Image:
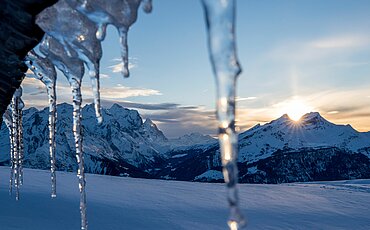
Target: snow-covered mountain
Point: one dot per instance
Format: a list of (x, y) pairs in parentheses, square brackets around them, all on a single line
[(122, 145), (192, 139), (282, 151)]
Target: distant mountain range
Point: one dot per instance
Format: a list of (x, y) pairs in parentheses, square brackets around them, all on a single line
[(123, 145)]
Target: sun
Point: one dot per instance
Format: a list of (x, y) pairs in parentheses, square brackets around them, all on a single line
[(296, 109)]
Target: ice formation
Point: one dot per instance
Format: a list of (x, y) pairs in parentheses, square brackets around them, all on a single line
[(44, 71), (74, 37), (17, 131), (77, 34), (220, 21), (9, 124), (74, 31), (73, 69), (120, 13)]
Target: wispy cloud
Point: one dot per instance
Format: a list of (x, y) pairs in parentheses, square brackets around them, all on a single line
[(318, 49), (341, 42), (116, 68), (238, 99), (120, 92), (35, 93), (104, 76)]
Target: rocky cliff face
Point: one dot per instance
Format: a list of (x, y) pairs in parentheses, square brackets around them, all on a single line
[(18, 35)]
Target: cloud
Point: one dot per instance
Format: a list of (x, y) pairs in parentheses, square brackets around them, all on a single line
[(340, 42), (180, 121), (172, 118), (33, 86), (117, 68), (104, 76), (35, 93), (120, 92), (314, 50), (238, 99), (142, 106)]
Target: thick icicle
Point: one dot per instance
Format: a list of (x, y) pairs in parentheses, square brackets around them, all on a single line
[(16, 104), (77, 34), (73, 69), (220, 20), (44, 71), (9, 124), (120, 13)]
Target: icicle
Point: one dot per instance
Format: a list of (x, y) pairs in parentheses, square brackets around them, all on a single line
[(220, 19), (77, 100), (16, 138), (120, 13), (20, 136), (73, 69), (147, 6), (44, 71), (9, 124), (77, 34)]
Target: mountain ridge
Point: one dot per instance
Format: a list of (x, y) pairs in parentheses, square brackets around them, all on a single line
[(125, 145)]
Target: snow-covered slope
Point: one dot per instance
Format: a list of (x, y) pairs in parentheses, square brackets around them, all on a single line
[(142, 204)]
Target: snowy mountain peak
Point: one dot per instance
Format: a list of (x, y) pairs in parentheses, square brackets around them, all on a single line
[(284, 119), (192, 139), (313, 117), (152, 132), (149, 123)]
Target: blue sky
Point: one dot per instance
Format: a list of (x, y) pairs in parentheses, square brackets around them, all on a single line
[(314, 55)]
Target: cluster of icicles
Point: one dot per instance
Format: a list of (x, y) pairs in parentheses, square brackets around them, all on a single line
[(13, 120), (73, 34)]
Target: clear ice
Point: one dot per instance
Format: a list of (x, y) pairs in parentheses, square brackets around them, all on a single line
[(17, 131), (74, 36), (77, 34), (72, 67), (9, 124), (44, 71), (220, 22), (119, 13)]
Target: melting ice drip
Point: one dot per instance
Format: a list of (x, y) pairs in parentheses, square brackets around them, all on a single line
[(220, 21), (16, 135), (44, 71)]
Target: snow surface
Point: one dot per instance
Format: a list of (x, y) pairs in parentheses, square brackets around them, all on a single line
[(210, 175), (128, 203)]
